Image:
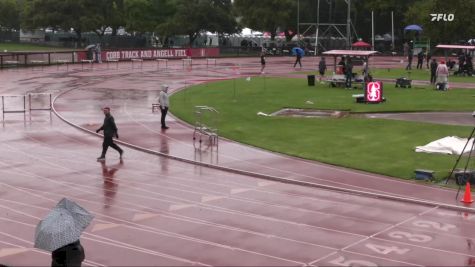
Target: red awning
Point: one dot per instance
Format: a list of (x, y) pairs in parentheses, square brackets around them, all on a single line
[(349, 53), (469, 47), (361, 44)]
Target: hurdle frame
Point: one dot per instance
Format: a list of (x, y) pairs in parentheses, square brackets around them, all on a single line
[(50, 102), (210, 59), (158, 60), (183, 60), (13, 111)]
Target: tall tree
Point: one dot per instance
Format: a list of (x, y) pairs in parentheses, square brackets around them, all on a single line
[(59, 14), (105, 14), (192, 17), (268, 15), (9, 15), (382, 16), (461, 28)]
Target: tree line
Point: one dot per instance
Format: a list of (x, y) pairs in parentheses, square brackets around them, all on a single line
[(191, 17)]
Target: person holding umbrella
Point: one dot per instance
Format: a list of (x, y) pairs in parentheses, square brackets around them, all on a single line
[(69, 255), (298, 53), (110, 130), (410, 54), (59, 232)]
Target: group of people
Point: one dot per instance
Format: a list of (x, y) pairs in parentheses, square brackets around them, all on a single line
[(345, 66), (465, 65)]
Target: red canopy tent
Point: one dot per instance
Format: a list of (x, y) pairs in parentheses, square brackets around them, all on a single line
[(361, 44)]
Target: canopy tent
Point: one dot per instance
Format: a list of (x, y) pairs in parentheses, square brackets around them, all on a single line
[(448, 47), (413, 27), (360, 44), (468, 47), (360, 53)]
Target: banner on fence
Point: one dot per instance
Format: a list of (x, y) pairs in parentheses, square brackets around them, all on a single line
[(172, 53)]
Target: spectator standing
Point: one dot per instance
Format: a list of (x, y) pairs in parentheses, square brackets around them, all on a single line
[(348, 73), (322, 67), (442, 73), (420, 60), (433, 69), (164, 103)]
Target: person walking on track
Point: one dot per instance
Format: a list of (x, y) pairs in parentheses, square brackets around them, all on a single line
[(110, 130), (263, 62), (164, 105), (298, 59)]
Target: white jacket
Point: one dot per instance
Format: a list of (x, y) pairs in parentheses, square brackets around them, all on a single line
[(163, 99)]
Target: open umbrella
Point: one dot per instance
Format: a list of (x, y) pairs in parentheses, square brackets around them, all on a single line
[(90, 46), (81, 216), (298, 51), (62, 226), (361, 44), (413, 27)]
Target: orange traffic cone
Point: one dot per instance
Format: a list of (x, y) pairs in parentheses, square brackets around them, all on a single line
[(467, 197)]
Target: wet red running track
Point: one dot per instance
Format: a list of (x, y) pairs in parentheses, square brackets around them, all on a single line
[(151, 210)]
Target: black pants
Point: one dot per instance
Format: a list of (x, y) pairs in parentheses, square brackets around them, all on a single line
[(419, 64), (348, 80), (298, 61), (409, 64), (109, 142), (432, 78), (164, 111)]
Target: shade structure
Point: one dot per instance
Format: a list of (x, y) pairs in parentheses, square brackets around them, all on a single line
[(469, 47), (361, 44), (413, 27), (349, 53), (337, 53)]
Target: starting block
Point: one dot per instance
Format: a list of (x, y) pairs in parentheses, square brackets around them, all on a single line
[(424, 175)]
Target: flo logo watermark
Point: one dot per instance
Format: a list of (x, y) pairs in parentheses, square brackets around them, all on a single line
[(442, 17)]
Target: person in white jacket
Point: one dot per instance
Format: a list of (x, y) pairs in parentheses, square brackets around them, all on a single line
[(164, 104), (442, 74)]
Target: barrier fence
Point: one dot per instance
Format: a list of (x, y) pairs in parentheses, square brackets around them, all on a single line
[(32, 59)]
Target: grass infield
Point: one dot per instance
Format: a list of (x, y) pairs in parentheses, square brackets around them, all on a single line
[(20, 47), (374, 145), (394, 73)]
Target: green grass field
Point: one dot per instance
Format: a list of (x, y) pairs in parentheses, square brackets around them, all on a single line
[(19, 47), (375, 145), (415, 74)]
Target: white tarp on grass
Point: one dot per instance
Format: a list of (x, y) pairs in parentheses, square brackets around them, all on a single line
[(448, 145)]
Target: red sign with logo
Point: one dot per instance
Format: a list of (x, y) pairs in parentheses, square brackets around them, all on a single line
[(374, 92), (172, 53)]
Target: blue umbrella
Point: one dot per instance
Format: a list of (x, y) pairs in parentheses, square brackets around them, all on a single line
[(298, 51), (413, 27)]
